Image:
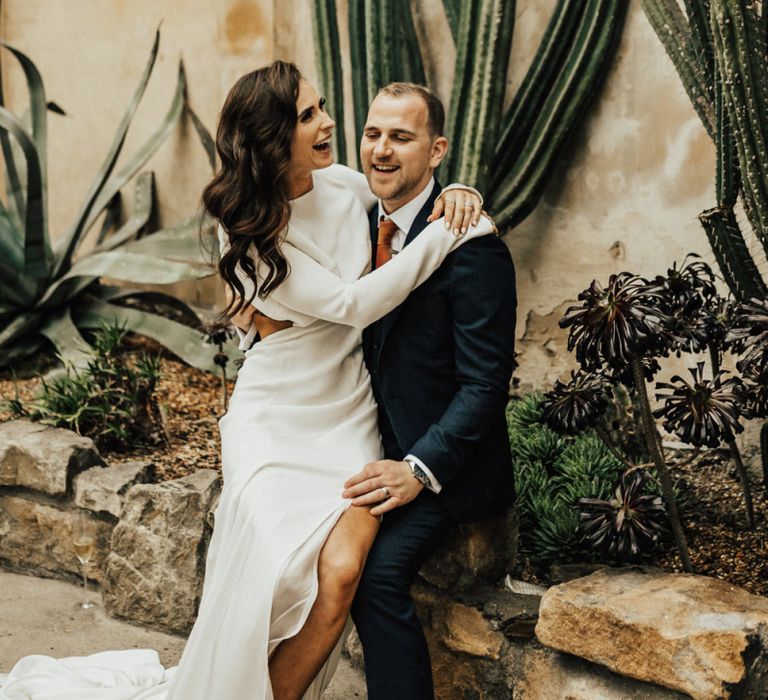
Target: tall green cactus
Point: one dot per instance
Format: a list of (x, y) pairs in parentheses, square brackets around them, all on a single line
[(719, 50), (507, 154)]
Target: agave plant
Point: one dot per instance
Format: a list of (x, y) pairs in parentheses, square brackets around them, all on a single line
[(49, 288), (509, 154), (629, 523)]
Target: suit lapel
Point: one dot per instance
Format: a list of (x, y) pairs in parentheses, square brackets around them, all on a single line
[(419, 224)]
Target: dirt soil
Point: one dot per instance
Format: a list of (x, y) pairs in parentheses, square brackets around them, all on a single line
[(720, 543)]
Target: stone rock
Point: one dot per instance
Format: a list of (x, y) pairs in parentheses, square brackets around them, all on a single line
[(37, 538), (353, 649), (693, 634), (515, 614), (102, 490), (43, 458), (480, 552), (155, 570), (466, 630), (545, 674), (561, 573)]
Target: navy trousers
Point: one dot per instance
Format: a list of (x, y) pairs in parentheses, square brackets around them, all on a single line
[(397, 663)]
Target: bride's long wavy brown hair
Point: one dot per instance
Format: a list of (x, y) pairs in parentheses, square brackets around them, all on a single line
[(249, 195)]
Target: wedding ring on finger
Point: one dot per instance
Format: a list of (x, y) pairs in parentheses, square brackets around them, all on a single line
[(386, 493)]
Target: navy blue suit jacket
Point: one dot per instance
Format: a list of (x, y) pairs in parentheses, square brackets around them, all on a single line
[(440, 367)]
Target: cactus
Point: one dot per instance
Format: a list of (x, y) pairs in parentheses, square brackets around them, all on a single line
[(718, 48), (507, 154)]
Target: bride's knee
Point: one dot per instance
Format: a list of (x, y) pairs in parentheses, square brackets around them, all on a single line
[(339, 573)]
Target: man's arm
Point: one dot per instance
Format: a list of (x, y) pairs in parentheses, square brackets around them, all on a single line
[(484, 303)]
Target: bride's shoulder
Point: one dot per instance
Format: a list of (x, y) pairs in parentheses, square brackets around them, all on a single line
[(348, 179)]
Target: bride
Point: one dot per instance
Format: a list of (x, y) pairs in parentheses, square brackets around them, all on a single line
[(287, 549)]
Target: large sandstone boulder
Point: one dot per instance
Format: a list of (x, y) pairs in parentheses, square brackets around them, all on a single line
[(694, 634), (475, 553), (155, 569), (37, 538), (544, 674), (43, 458), (103, 489)]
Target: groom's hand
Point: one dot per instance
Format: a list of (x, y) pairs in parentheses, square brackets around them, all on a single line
[(386, 484)]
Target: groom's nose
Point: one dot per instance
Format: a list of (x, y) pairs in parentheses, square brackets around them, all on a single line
[(382, 147)]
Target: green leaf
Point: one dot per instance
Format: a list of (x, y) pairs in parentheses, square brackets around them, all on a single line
[(143, 202), (39, 109), (13, 179), (204, 135), (69, 242), (71, 347), (111, 217), (26, 322), (36, 251), (144, 153), (182, 242), (184, 342), (136, 267)]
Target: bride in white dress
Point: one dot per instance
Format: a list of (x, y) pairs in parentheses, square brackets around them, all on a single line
[(287, 550)]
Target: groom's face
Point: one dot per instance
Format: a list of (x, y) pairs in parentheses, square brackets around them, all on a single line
[(398, 152)]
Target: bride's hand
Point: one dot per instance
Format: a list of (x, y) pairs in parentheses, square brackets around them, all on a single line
[(461, 208)]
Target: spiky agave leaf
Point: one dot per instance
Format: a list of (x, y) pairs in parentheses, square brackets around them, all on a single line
[(629, 523), (704, 411), (576, 405), (616, 323)]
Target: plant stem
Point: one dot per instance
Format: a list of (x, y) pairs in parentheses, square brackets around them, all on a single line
[(652, 441), (746, 487), (602, 433), (690, 459), (764, 454)]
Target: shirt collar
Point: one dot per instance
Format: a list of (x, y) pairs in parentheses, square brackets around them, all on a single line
[(405, 215)]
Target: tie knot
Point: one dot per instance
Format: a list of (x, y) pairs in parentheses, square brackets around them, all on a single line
[(387, 229)]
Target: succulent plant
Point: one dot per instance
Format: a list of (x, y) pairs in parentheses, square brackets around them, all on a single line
[(576, 405), (719, 50), (616, 323), (51, 289), (704, 411), (629, 523), (749, 335)]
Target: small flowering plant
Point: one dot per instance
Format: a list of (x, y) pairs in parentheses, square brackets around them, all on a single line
[(618, 333)]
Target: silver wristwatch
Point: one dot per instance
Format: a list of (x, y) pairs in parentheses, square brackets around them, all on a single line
[(419, 474)]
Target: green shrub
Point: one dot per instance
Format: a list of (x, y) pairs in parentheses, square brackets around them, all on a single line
[(552, 472), (112, 400)]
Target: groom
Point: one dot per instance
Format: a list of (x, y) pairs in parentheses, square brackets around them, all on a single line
[(440, 366)]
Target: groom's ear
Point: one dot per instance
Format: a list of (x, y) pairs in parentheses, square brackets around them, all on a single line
[(439, 149)]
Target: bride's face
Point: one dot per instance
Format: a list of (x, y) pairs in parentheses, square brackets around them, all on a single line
[(311, 144)]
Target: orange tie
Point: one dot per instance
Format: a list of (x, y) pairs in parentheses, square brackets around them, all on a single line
[(387, 230)]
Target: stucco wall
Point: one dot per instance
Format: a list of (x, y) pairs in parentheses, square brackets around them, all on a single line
[(626, 197)]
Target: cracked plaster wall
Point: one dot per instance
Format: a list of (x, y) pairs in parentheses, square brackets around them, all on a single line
[(626, 194)]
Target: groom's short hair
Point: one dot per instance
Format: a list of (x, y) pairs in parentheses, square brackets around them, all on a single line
[(435, 110)]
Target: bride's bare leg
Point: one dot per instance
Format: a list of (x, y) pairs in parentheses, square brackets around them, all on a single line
[(297, 660)]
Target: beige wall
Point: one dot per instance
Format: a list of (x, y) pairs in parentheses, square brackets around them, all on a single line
[(626, 196)]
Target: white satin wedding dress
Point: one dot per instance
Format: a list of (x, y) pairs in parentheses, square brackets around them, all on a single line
[(301, 420)]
